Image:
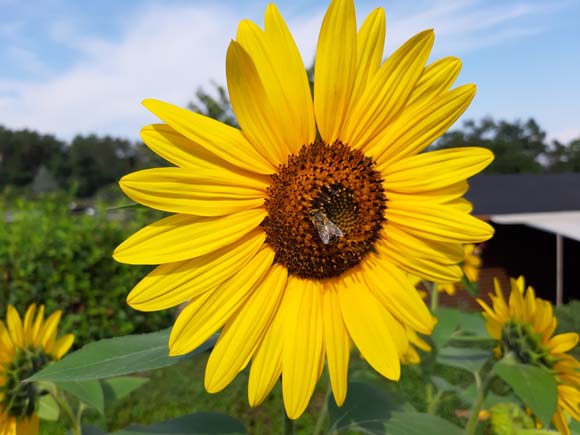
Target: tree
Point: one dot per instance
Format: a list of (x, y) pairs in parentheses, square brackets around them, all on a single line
[(519, 147), (219, 109), (98, 161), (23, 152)]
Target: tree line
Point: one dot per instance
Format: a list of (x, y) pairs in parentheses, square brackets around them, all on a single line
[(88, 163)]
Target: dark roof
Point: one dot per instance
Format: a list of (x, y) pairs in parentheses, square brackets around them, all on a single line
[(524, 193)]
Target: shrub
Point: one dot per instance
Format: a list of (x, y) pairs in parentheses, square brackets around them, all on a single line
[(54, 256)]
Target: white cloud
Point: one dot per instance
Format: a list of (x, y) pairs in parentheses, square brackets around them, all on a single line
[(168, 51)]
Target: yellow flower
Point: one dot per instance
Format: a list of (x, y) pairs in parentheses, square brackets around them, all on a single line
[(471, 266), (412, 356), (293, 233), (25, 347), (524, 326)]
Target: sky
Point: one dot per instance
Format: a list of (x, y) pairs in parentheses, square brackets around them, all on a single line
[(79, 67)]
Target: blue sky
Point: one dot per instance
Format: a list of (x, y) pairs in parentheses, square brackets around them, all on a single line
[(70, 67)]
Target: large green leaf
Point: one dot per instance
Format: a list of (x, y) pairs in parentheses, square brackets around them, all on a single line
[(193, 424), (117, 388), (88, 392), (366, 408), (406, 423), (463, 357), (448, 320), (115, 357), (535, 386)]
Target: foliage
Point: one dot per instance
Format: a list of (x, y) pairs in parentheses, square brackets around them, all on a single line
[(518, 146), (52, 256), (42, 162), (219, 109)]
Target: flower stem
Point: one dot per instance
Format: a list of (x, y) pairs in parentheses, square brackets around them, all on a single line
[(73, 421), (323, 413), (483, 388), (434, 297)]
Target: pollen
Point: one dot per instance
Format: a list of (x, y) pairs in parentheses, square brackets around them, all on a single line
[(325, 210)]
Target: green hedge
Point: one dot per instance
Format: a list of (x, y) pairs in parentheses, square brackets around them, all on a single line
[(52, 256)]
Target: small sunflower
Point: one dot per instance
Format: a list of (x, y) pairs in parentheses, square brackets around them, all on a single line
[(293, 233), (524, 326), (25, 347), (471, 265)]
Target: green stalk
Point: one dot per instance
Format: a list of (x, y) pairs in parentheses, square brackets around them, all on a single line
[(64, 405), (483, 388), (434, 297), (323, 413)]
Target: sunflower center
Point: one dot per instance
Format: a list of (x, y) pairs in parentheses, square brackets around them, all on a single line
[(325, 210), (521, 341), (18, 399)]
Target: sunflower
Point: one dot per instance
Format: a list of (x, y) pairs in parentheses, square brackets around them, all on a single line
[(524, 326), (294, 232), (471, 265), (25, 347)]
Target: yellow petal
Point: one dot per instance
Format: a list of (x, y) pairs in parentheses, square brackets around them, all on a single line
[(197, 322), (174, 147), (62, 346), (28, 323), (386, 94), (38, 321), (181, 237), (171, 284), (303, 344), (220, 139), (394, 290), (399, 240), (418, 127), (15, 326), (203, 192), (435, 79), (437, 222), (6, 343), (436, 169), (336, 343), (267, 362), (442, 195), (364, 318), (49, 330), (563, 342), (251, 104), (283, 75), (243, 332), (370, 43), (335, 69), (422, 267)]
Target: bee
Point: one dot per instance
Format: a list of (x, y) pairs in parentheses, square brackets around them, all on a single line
[(327, 230)]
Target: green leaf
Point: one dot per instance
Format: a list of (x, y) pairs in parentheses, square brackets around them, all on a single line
[(575, 427), (366, 408), (535, 386), (115, 357), (405, 423), (463, 358), (200, 423), (48, 408), (470, 286), (447, 323), (88, 392), (117, 388), (473, 324)]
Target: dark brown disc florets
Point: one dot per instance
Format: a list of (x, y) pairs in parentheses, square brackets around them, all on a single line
[(325, 210)]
